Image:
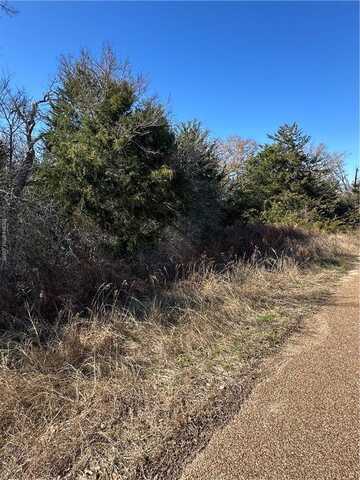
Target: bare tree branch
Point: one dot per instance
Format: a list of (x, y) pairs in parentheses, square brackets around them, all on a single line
[(6, 8)]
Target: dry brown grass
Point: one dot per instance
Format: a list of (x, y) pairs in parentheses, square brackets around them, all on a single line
[(112, 394)]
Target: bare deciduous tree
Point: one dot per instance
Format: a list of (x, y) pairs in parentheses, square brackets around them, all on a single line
[(334, 162), (20, 133), (234, 153), (6, 8)]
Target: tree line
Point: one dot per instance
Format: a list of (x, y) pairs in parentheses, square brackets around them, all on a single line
[(96, 169)]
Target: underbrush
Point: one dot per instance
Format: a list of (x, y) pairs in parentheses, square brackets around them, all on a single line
[(119, 392), (58, 270)]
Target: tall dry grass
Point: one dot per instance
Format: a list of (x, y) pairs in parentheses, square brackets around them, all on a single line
[(127, 393)]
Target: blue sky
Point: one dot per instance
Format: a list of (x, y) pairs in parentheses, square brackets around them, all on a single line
[(239, 67)]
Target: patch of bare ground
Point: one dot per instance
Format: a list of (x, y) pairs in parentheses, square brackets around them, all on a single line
[(132, 393)]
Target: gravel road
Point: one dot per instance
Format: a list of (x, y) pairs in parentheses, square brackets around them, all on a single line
[(302, 421)]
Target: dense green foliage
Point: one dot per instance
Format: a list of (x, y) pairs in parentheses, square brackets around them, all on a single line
[(108, 152), (287, 182), (113, 160), (199, 177)]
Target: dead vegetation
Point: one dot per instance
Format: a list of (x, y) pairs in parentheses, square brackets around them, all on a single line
[(125, 392)]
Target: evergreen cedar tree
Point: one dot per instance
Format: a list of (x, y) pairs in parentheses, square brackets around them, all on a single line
[(286, 180), (108, 153), (199, 177)]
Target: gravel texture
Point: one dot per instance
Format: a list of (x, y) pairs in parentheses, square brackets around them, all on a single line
[(302, 421)]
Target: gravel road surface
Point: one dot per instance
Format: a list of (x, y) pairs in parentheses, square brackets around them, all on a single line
[(302, 421)]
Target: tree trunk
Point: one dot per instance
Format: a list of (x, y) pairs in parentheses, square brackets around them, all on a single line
[(4, 236)]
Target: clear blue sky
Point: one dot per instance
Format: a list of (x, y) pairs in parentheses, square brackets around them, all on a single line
[(240, 67)]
